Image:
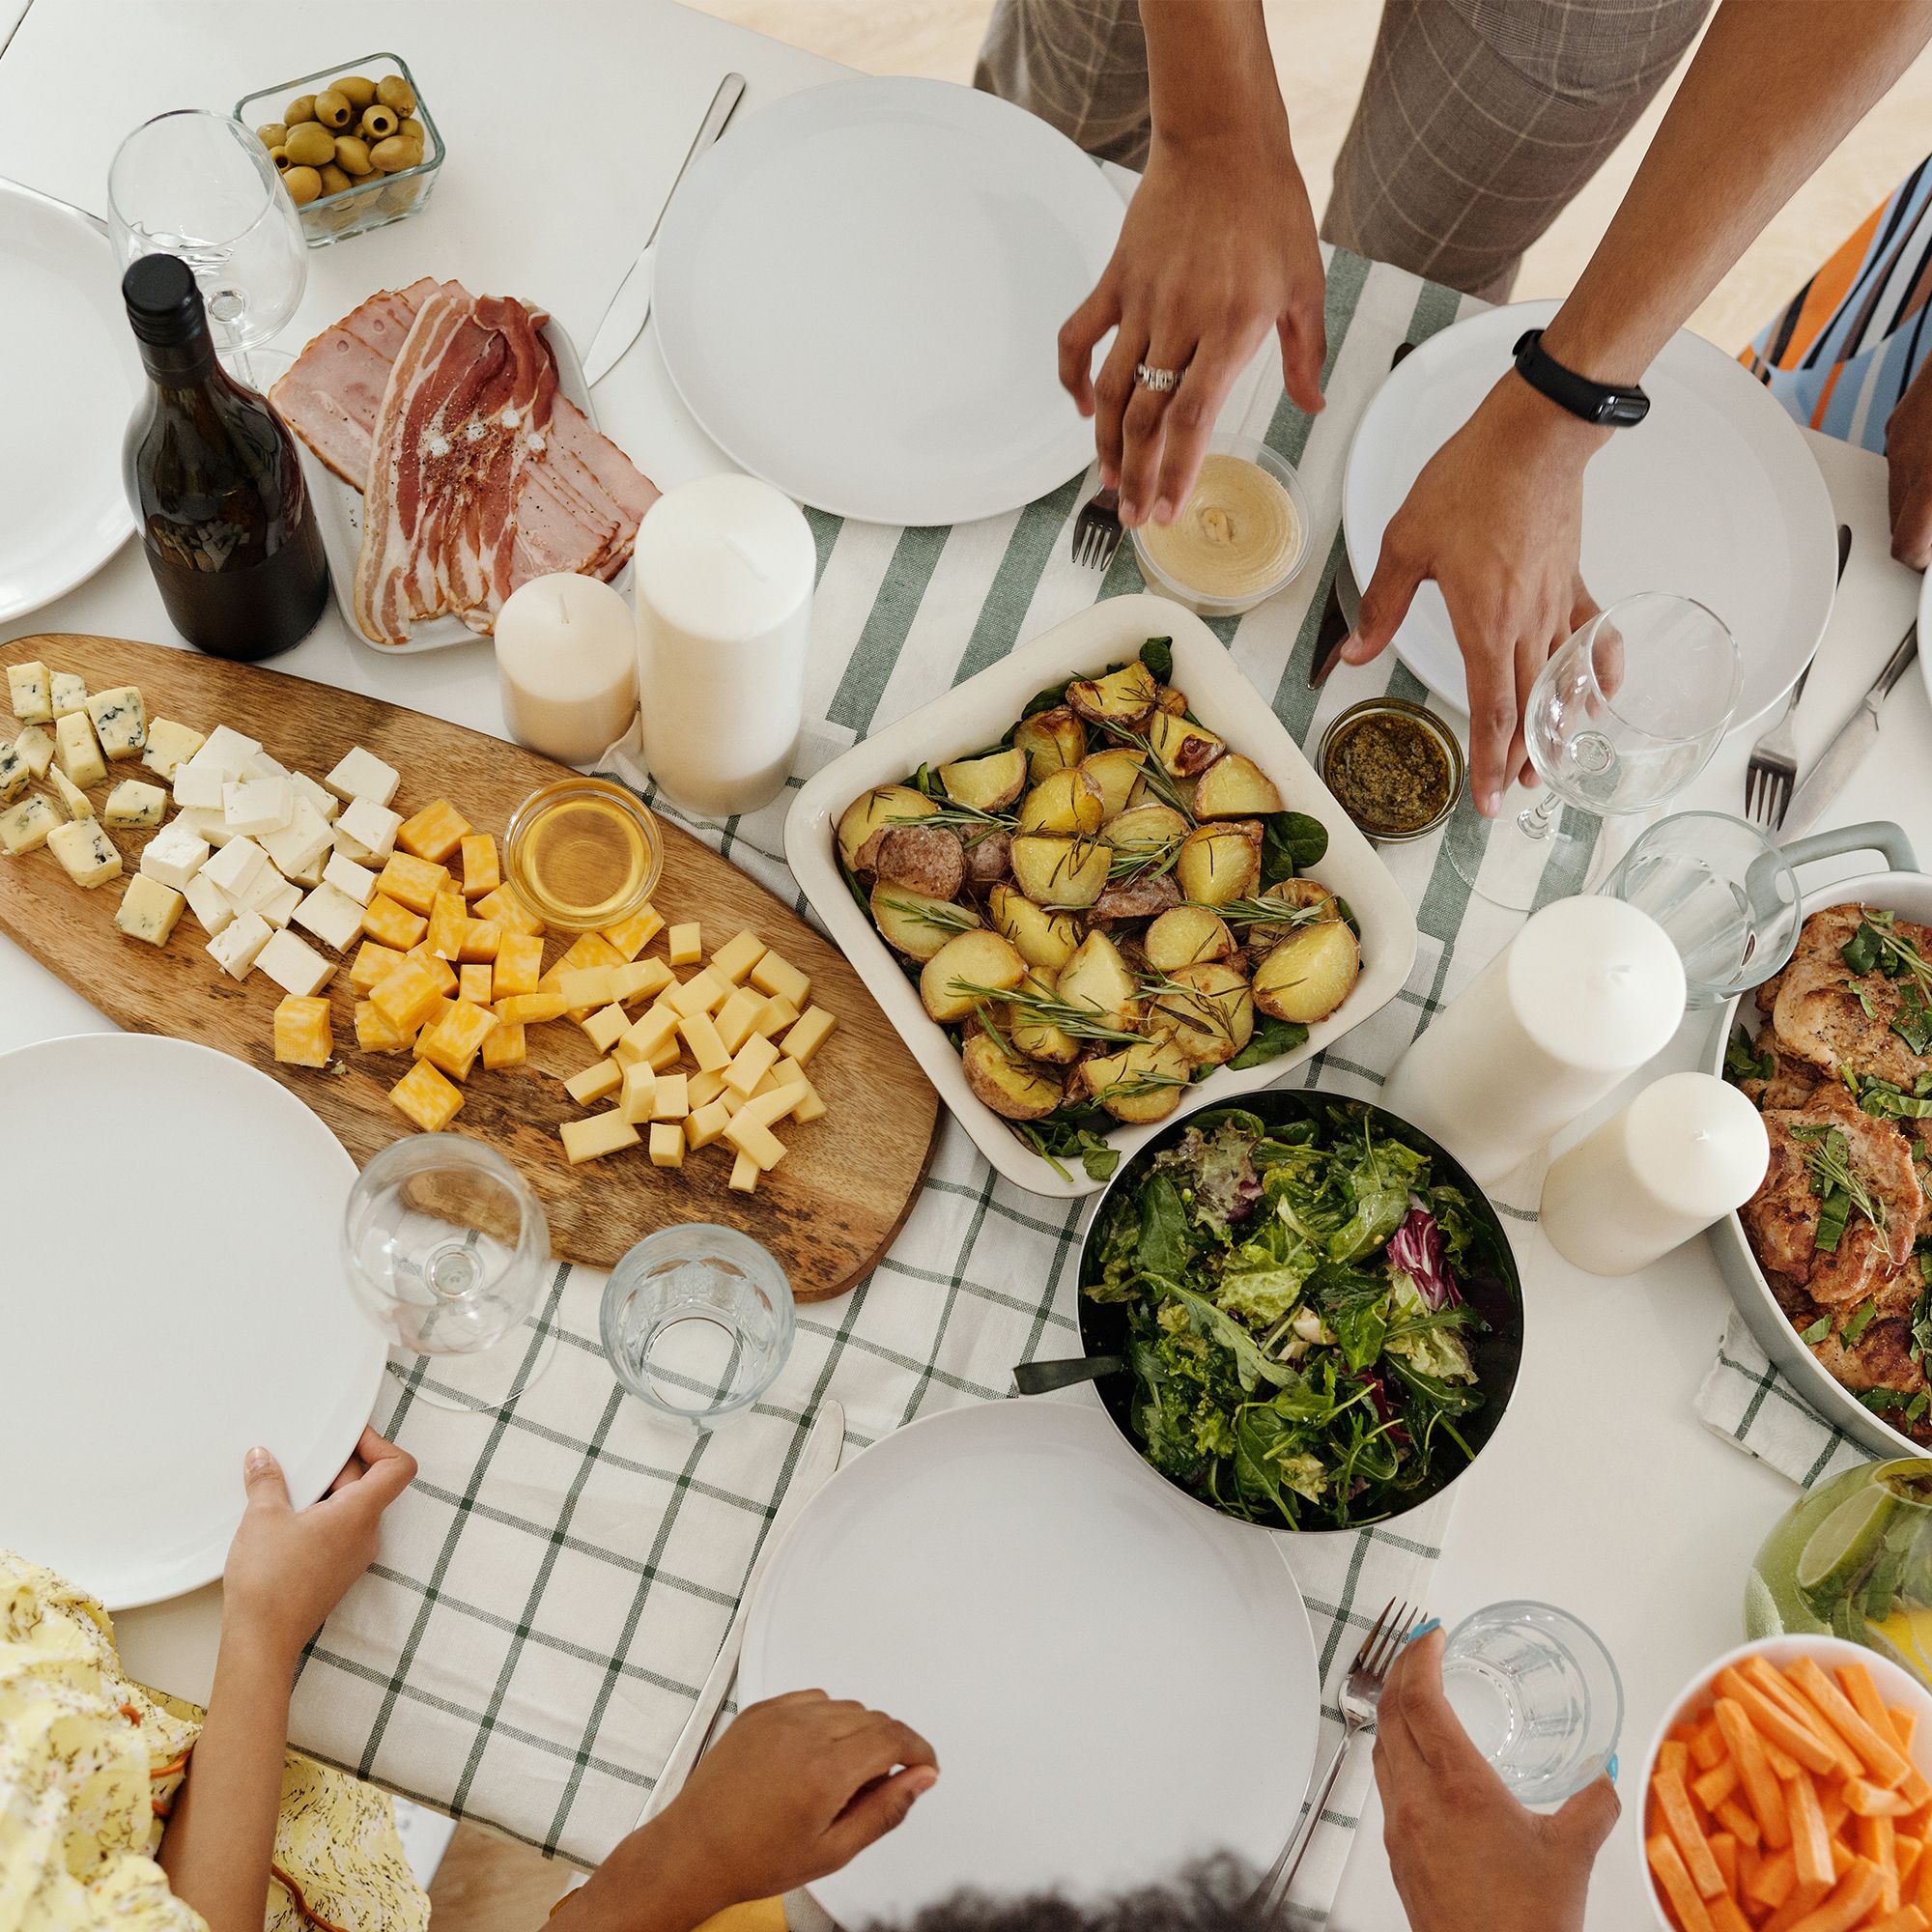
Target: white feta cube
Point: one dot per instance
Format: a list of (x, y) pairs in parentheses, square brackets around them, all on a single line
[(36, 748), (13, 773), (70, 693), (226, 752), (208, 823), (299, 844), (307, 877), (363, 775), (199, 787), (120, 721), (85, 852), (295, 965), (367, 831), (333, 916), (346, 875), (326, 802), (75, 802), (237, 947), (149, 909), (134, 802), (278, 903), (78, 751), (261, 765), (24, 827), (31, 692), (257, 806), (237, 867), (170, 746), (174, 854), (209, 904)]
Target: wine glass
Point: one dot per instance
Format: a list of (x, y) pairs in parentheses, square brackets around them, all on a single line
[(1623, 717), (198, 185), (446, 1249)]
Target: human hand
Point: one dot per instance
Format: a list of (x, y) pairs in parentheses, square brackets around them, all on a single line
[(1908, 455), (1467, 1857), (1495, 519), (1218, 247), (288, 1568)]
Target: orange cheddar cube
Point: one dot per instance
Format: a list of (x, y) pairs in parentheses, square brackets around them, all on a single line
[(528, 1009), (375, 1035), (481, 937), (446, 921), (445, 972), (482, 872), (435, 833), (474, 983), (303, 1036), (509, 911), (392, 924), (413, 882), (407, 996), (457, 1037), (427, 1031), (506, 1046), (371, 963), (519, 963), (430, 1100), (636, 933)]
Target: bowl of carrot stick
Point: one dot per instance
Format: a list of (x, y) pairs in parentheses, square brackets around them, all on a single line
[(1790, 1790)]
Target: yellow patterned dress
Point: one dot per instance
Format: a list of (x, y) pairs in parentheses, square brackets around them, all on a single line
[(90, 1765)]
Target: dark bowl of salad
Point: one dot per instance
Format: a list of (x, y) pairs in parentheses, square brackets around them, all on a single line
[(1311, 1313)]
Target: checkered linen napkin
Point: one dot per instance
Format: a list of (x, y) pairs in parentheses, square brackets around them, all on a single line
[(1747, 1400)]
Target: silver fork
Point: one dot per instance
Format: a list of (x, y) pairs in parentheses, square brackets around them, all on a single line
[(1773, 769), (1361, 1692), (1097, 530)]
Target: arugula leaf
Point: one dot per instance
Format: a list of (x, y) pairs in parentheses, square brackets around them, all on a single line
[(1817, 1331), (1210, 1323), (1291, 842), (1270, 1039), (1158, 654)]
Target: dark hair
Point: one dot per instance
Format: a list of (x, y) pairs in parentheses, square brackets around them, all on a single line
[(1210, 1897)]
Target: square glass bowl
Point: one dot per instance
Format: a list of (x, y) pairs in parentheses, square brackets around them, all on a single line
[(375, 200)]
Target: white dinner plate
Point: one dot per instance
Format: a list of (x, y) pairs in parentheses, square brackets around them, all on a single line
[(1713, 496), (172, 1295), (1115, 1681), (858, 292), (68, 377)]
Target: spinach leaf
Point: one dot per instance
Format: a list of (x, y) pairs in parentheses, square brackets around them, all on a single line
[(1861, 1320), (1049, 699), (1291, 842), (1158, 654), (1164, 1248), (1270, 1039), (1073, 1133)]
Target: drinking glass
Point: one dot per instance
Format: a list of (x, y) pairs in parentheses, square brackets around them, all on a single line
[(698, 1321), (199, 184), (446, 1249), (1723, 892), (1622, 718), (1537, 1695)]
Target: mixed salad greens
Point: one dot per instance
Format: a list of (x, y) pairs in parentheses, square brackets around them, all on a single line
[(1297, 1318)]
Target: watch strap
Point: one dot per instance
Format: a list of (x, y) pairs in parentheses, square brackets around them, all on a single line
[(1608, 405)]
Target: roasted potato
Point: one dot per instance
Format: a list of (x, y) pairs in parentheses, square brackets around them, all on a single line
[(1172, 700), (1068, 802), (1234, 787), (1141, 1082), (1062, 873), (1208, 1010), (1145, 898), (872, 811), (1220, 861), (1050, 739), (1115, 771), (1309, 974), (1014, 1087), (988, 859), (1098, 978), (987, 785), (1146, 828), (981, 960), (1189, 935), (917, 925), (1265, 936), (928, 858), (1183, 750), (1120, 702), (1045, 939), (1036, 1037)]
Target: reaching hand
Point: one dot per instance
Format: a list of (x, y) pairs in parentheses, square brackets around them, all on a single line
[(1495, 519), (288, 1568), (1467, 1857), (1218, 248), (1908, 454)]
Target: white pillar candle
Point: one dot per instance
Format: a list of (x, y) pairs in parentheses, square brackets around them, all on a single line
[(1586, 992), (724, 575), (1684, 1152), (567, 662)]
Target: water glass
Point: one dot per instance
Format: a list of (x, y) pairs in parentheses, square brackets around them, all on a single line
[(698, 1321), (1538, 1696), (1723, 892)]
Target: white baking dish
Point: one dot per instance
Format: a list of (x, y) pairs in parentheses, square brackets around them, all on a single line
[(984, 709)]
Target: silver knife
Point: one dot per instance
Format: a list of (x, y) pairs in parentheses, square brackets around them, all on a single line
[(631, 307), (1843, 756), (816, 1462)]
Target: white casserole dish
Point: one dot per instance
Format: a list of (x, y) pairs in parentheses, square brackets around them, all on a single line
[(984, 709)]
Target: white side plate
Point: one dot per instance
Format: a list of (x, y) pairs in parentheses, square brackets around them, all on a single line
[(984, 709), (1115, 1681), (172, 1296)]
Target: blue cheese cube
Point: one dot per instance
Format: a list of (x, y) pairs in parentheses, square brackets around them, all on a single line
[(298, 845), (170, 746), (13, 773), (70, 694), (24, 827), (174, 854), (295, 965), (85, 852), (36, 749), (79, 752), (120, 721), (73, 801), (132, 803), (256, 806), (30, 692), (148, 910), (209, 904), (237, 947)]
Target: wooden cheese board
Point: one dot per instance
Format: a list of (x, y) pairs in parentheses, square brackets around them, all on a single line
[(828, 1210)]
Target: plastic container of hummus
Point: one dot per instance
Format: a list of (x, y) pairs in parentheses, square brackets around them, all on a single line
[(1240, 537)]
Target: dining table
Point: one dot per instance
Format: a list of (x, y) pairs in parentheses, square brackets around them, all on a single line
[(552, 1592)]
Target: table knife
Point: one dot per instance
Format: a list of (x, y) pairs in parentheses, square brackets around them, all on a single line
[(1843, 756), (631, 307), (816, 1462)]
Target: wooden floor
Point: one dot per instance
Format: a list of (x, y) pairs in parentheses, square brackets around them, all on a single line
[(1322, 49)]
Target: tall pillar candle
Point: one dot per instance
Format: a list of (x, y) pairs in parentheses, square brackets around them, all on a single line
[(567, 665), (724, 571), (1684, 1154), (1586, 992)]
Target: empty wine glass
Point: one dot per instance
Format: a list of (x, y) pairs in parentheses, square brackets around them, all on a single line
[(198, 185), (1622, 718), (446, 1249)]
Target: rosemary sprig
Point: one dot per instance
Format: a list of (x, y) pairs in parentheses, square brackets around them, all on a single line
[(970, 823), (1203, 1012), (1269, 912), (1077, 1022), (1153, 773), (1840, 1188), (1143, 1083), (943, 916), (1135, 862)]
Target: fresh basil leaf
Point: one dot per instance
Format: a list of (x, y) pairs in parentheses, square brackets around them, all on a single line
[(1743, 1062), (1817, 1331), (1861, 1319), (1861, 952)]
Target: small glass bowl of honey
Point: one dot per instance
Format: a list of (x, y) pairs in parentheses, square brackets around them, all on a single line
[(583, 854)]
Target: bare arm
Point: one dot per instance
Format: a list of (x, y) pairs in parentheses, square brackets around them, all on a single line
[(1496, 517)]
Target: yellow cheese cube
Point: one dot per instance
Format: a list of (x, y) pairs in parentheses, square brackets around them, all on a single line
[(475, 984), (701, 1089), (753, 1139), (636, 1096), (457, 1037), (586, 986), (737, 956), (445, 972), (790, 1073), (744, 1172), (427, 1097), (706, 1048), (606, 1027), (778, 976), (434, 833), (640, 979), (636, 933), (406, 995), (518, 965), (588, 949), (413, 882), (482, 872), (685, 943), (528, 1009), (756, 1059), (667, 1145), (736, 1016), (374, 1034), (447, 918), (774, 1016), (665, 1059), (510, 911), (625, 1054), (371, 963), (600, 1134), (392, 924), (427, 1031), (302, 1036), (481, 937), (702, 993), (650, 1034), (506, 1046), (767, 1109), (810, 1032), (706, 1125), (599, 1080), (669, 1100)]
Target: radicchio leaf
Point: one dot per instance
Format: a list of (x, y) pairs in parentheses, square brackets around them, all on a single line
[(1417, 1249)]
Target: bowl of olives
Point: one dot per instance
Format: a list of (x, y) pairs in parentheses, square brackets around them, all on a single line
[(354, 145)]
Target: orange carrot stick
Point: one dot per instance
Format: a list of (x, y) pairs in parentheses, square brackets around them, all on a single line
[(1735, 1819), (1771, 1884), (1762, 1790), (1714, 1786), (1880, 1755), (1674, 1803), (1875, 1842), (1854, 1895), (1907, 1918), (1904, 1726), (1725, 1915), (1872, 1801), (1909, 1851), (1778, 1688), (1674, 1880), (1803, 1901), (1778, 1725), (1707, 1744), (1810, 1839)]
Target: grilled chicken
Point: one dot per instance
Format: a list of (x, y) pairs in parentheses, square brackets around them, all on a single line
[(1839, 1022)]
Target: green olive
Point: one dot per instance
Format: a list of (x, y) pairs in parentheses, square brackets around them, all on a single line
[(280, 157), (303, 185), (332, 109), (393, 91), (301, 108), (395, 154), (310, 144), (352, 154), (379, 123), (358, 89), (334, 181), (272, 133), (412, 130)]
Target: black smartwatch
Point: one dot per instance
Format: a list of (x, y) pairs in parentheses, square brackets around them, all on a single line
[(1595, 402)]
